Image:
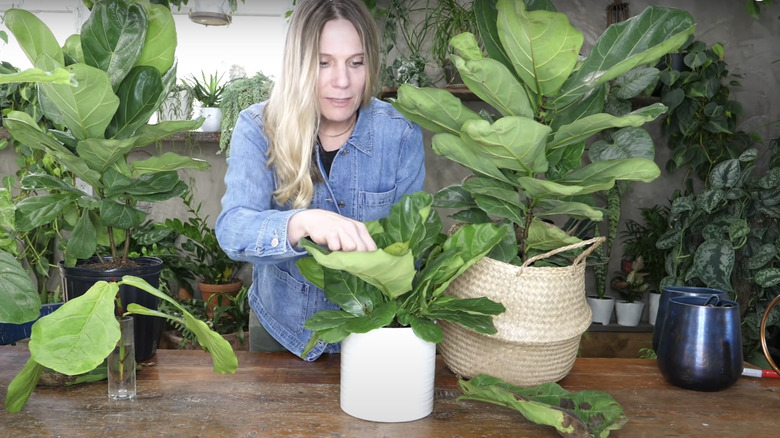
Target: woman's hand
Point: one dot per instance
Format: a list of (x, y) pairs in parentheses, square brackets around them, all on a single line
[(335, 231)]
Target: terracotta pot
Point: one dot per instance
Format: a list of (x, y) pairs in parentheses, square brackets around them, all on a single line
[(210, 293)]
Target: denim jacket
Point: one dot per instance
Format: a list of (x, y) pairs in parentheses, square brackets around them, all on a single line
[(382, 160)]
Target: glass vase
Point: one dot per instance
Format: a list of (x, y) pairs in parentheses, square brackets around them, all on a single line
[(121, 363)]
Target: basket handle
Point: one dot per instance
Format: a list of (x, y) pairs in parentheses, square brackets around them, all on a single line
[(594, 243)]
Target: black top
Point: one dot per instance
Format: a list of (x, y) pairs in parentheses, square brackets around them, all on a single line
[(327, 157)]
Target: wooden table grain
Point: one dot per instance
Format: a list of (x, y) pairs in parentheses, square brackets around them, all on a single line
[(279, 395)]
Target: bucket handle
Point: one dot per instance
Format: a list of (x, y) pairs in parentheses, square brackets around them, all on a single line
[(764, 346), (593, 242)]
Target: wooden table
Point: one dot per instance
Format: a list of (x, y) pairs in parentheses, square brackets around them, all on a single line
[(279, 395)]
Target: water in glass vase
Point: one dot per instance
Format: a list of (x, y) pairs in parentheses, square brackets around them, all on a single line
[(121, 364)]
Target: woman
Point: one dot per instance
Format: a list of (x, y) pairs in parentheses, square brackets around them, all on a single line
[(315, 161)]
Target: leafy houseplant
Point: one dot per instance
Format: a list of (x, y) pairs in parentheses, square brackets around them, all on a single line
[(403, 281), (57, 340), (631, 283), (120, 77), (701, 124), (207, 91), (528, 163), (238, 95)]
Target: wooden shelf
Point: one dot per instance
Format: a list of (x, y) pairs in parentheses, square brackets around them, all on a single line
[(198, 136)]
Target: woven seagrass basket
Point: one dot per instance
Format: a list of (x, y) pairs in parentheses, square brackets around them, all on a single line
[(538, 335)]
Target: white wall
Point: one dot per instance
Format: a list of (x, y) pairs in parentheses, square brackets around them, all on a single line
[(252, 43)]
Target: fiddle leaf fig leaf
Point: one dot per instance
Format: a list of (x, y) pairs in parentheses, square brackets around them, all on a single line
[(139, 95), (19, 300), (434, 109), (58, 340), (159, 47), (85, 109), (33, 36), (495, 85), (584, 413), (22, 386), (542, 45), (112, 38)]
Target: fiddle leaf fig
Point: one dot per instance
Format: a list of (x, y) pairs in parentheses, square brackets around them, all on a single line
[(403, 281), (19, 300), (528, 160)]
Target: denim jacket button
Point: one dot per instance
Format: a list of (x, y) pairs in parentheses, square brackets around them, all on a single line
[(341, 203), (274, 242)]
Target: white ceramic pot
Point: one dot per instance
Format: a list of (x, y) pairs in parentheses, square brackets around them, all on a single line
[(628, 314), (652, 312), (601, 308), (213, 120), (387, 375)]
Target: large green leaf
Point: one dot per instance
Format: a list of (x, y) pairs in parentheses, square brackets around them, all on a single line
[(168, 161), (713, 263), (19, 301), (628, 169), (641, 39), (101, 153), (33, 36), (160, 42), (80, 334), (434, 109), (392, 274), (543, 46), (35, 211), (515, 143), (586, 127), (27, 132), (579, 414), (85, 109), (351, 293), (83, 239), (58, 76), (139, 95), (454, 148), (112, 38), (22, 386), (486, 15)]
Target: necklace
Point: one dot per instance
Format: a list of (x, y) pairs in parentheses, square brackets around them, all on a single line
[(351, 125)]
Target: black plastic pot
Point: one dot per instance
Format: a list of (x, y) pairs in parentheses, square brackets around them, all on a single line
[(78, 279)]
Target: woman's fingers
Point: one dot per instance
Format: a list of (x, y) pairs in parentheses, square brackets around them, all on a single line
[(337, 232)]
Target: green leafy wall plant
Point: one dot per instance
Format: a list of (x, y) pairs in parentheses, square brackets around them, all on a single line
[(727, 236), (528, 164), (238, 95), (401, 283)]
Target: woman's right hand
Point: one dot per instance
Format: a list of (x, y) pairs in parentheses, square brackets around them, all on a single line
[(333, 230)]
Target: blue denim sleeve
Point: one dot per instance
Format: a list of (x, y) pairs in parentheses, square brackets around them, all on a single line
[(250, 227)]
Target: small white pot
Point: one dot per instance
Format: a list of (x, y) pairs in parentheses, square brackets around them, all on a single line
[(213, 120), (601, 308), (387, 375), (628, 314), (652, 312)]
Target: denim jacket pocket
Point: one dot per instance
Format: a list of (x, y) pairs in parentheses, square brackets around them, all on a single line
[(286, 298), (375, 205)]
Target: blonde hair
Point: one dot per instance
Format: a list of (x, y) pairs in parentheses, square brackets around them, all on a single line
[(292, 116)]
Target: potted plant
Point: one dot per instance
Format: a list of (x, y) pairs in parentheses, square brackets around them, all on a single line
[(528, 158), (115, 79), (631, 284), (178, 104), (238, 95), (230, 318), (208, 91), (639, 238), (216, 273), (390, 301)]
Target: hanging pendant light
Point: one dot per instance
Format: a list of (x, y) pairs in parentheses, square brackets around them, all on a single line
[(211, 12)]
